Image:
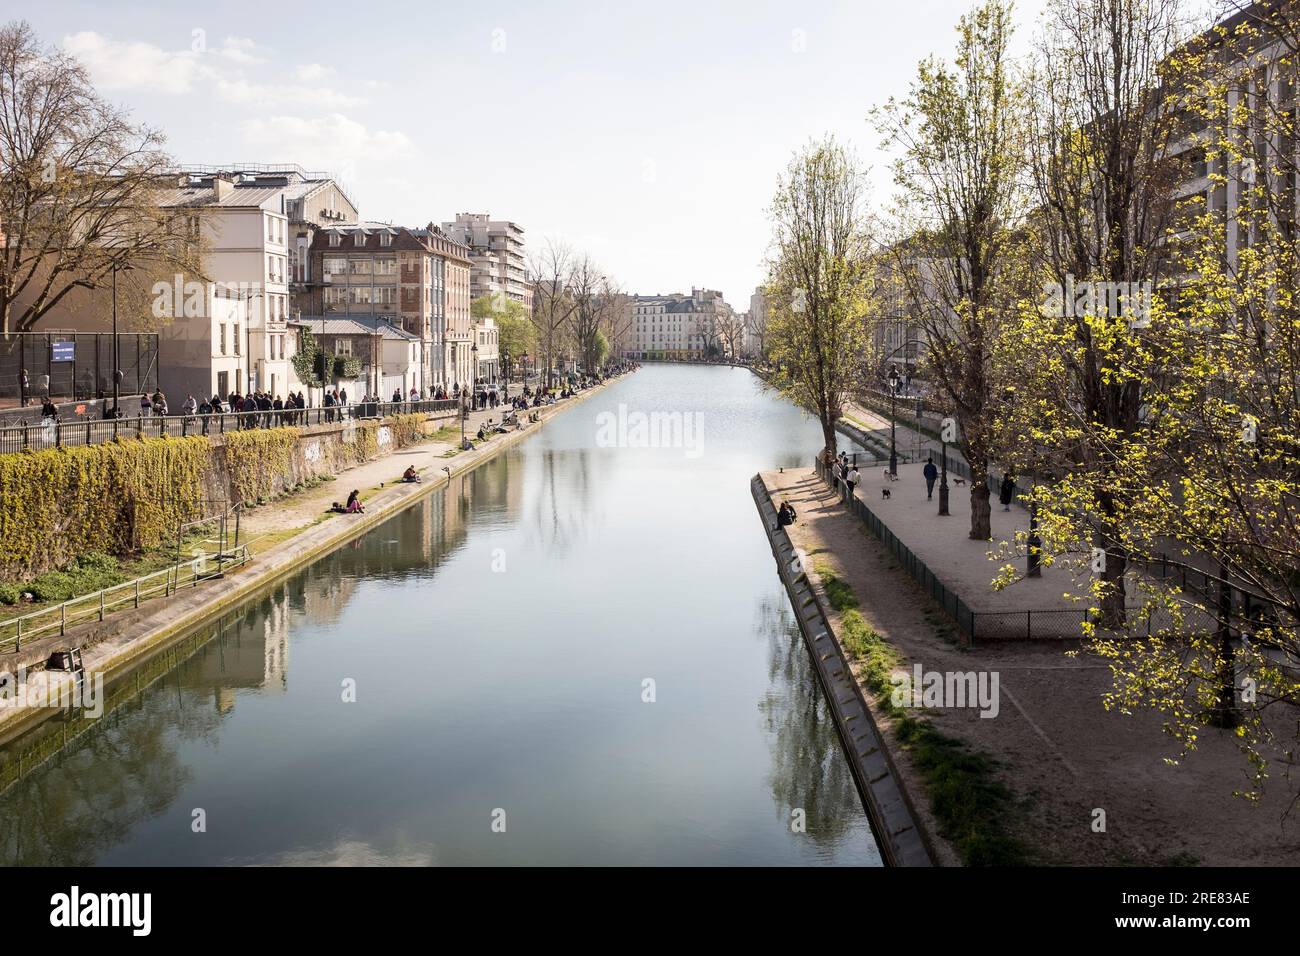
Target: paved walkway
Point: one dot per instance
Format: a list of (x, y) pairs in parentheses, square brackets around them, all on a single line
[(1062, 755), (943, 543), (275, 520)]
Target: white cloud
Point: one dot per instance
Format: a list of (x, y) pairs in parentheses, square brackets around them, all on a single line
[(284, 94), (239, 50), (333, 142), (311, 72), (118, 65)]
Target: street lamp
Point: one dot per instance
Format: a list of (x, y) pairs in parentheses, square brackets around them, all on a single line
[(505, 360), (943, 477), (893, 430)]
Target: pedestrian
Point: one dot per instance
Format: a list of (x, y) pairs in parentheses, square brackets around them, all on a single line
[(1007, 492), (24, 387), (931, 474), (853, 479)]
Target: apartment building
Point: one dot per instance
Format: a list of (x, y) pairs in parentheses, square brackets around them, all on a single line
[(418, 279), (675, 326), (498, 268), (228, 332), (497, 254)]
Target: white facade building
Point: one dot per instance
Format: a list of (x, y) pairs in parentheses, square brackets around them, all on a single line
[(675, 326)]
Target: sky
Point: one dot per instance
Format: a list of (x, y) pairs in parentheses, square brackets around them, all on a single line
[(648, 135)]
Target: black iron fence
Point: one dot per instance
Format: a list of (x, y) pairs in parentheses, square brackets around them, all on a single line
[(1052, 623), (52, 433), (72, 366)]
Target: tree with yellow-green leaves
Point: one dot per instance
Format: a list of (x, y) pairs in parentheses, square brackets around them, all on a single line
[(960, 138), (819, 280), (1159, 364)]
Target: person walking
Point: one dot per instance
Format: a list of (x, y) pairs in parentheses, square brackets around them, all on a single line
[(931, 475), (852, 480), (1007, 492)]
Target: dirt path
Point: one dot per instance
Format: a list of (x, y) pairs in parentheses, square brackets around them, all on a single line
[(1059, 751)]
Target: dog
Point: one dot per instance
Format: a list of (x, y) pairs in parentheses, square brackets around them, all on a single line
[(884, 492), (959, 481)]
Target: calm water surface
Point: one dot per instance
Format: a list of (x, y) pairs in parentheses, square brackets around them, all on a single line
[(498, 635)]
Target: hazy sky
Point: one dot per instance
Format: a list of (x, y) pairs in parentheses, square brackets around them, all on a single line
[(648, 134)]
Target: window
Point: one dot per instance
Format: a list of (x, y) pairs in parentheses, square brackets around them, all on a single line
[(360, 267), (221, 332), (358, 238), (236, 340), (385, 265), (335, 239), (385, 238), (335, 265)]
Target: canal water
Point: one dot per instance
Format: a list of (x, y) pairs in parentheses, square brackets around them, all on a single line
[(579, 653)]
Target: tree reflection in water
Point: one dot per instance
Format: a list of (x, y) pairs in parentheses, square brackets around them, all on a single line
[(808, 767)]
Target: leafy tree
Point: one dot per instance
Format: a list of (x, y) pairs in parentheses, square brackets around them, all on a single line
[(819, 278), (961, 135)]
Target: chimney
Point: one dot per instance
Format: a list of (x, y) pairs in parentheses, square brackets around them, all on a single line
[(222, 186)]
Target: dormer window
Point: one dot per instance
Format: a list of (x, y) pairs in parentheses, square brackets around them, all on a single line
[(335, 239), (385, 238), (358, 238)]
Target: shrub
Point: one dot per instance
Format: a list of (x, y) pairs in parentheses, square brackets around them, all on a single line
[(58, 504)]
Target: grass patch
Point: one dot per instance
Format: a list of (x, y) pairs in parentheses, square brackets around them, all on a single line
[(965, 797)]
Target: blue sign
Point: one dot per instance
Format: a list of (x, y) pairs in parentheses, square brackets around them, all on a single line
[(63, 352)]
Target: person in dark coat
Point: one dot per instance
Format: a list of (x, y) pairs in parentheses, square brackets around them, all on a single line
[(931, 475), (1007, 492)]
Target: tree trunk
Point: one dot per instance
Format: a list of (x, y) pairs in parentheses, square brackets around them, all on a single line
[(1225, 707), (980, 527), (828, 437)]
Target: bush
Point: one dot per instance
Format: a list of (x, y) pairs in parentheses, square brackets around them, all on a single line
[(59, 504)]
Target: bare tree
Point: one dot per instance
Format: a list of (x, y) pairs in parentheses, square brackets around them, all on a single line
[(731, 327), (79, 186), (588, 286), (553, 302)]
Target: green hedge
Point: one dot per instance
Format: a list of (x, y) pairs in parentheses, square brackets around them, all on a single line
[(60, 503), (256, 458)]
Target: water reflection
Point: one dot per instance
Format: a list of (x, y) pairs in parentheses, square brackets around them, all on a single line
[(808, 768), (498, 635)]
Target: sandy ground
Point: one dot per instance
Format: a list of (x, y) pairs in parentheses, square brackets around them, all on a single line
[(1061, 754)]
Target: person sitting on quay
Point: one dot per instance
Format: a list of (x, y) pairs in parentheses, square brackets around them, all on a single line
[(354, 506), (48, 408), (481, 433), (409, 476), (785, 515)]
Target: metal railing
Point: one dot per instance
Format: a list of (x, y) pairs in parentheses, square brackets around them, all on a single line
[(57, 618), (51, 433)]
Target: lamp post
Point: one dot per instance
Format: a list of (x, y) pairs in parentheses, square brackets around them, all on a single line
[(943, 480), (505, 361), (893, 431)]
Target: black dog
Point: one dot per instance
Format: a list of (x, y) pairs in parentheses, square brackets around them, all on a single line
[(884, 492)]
